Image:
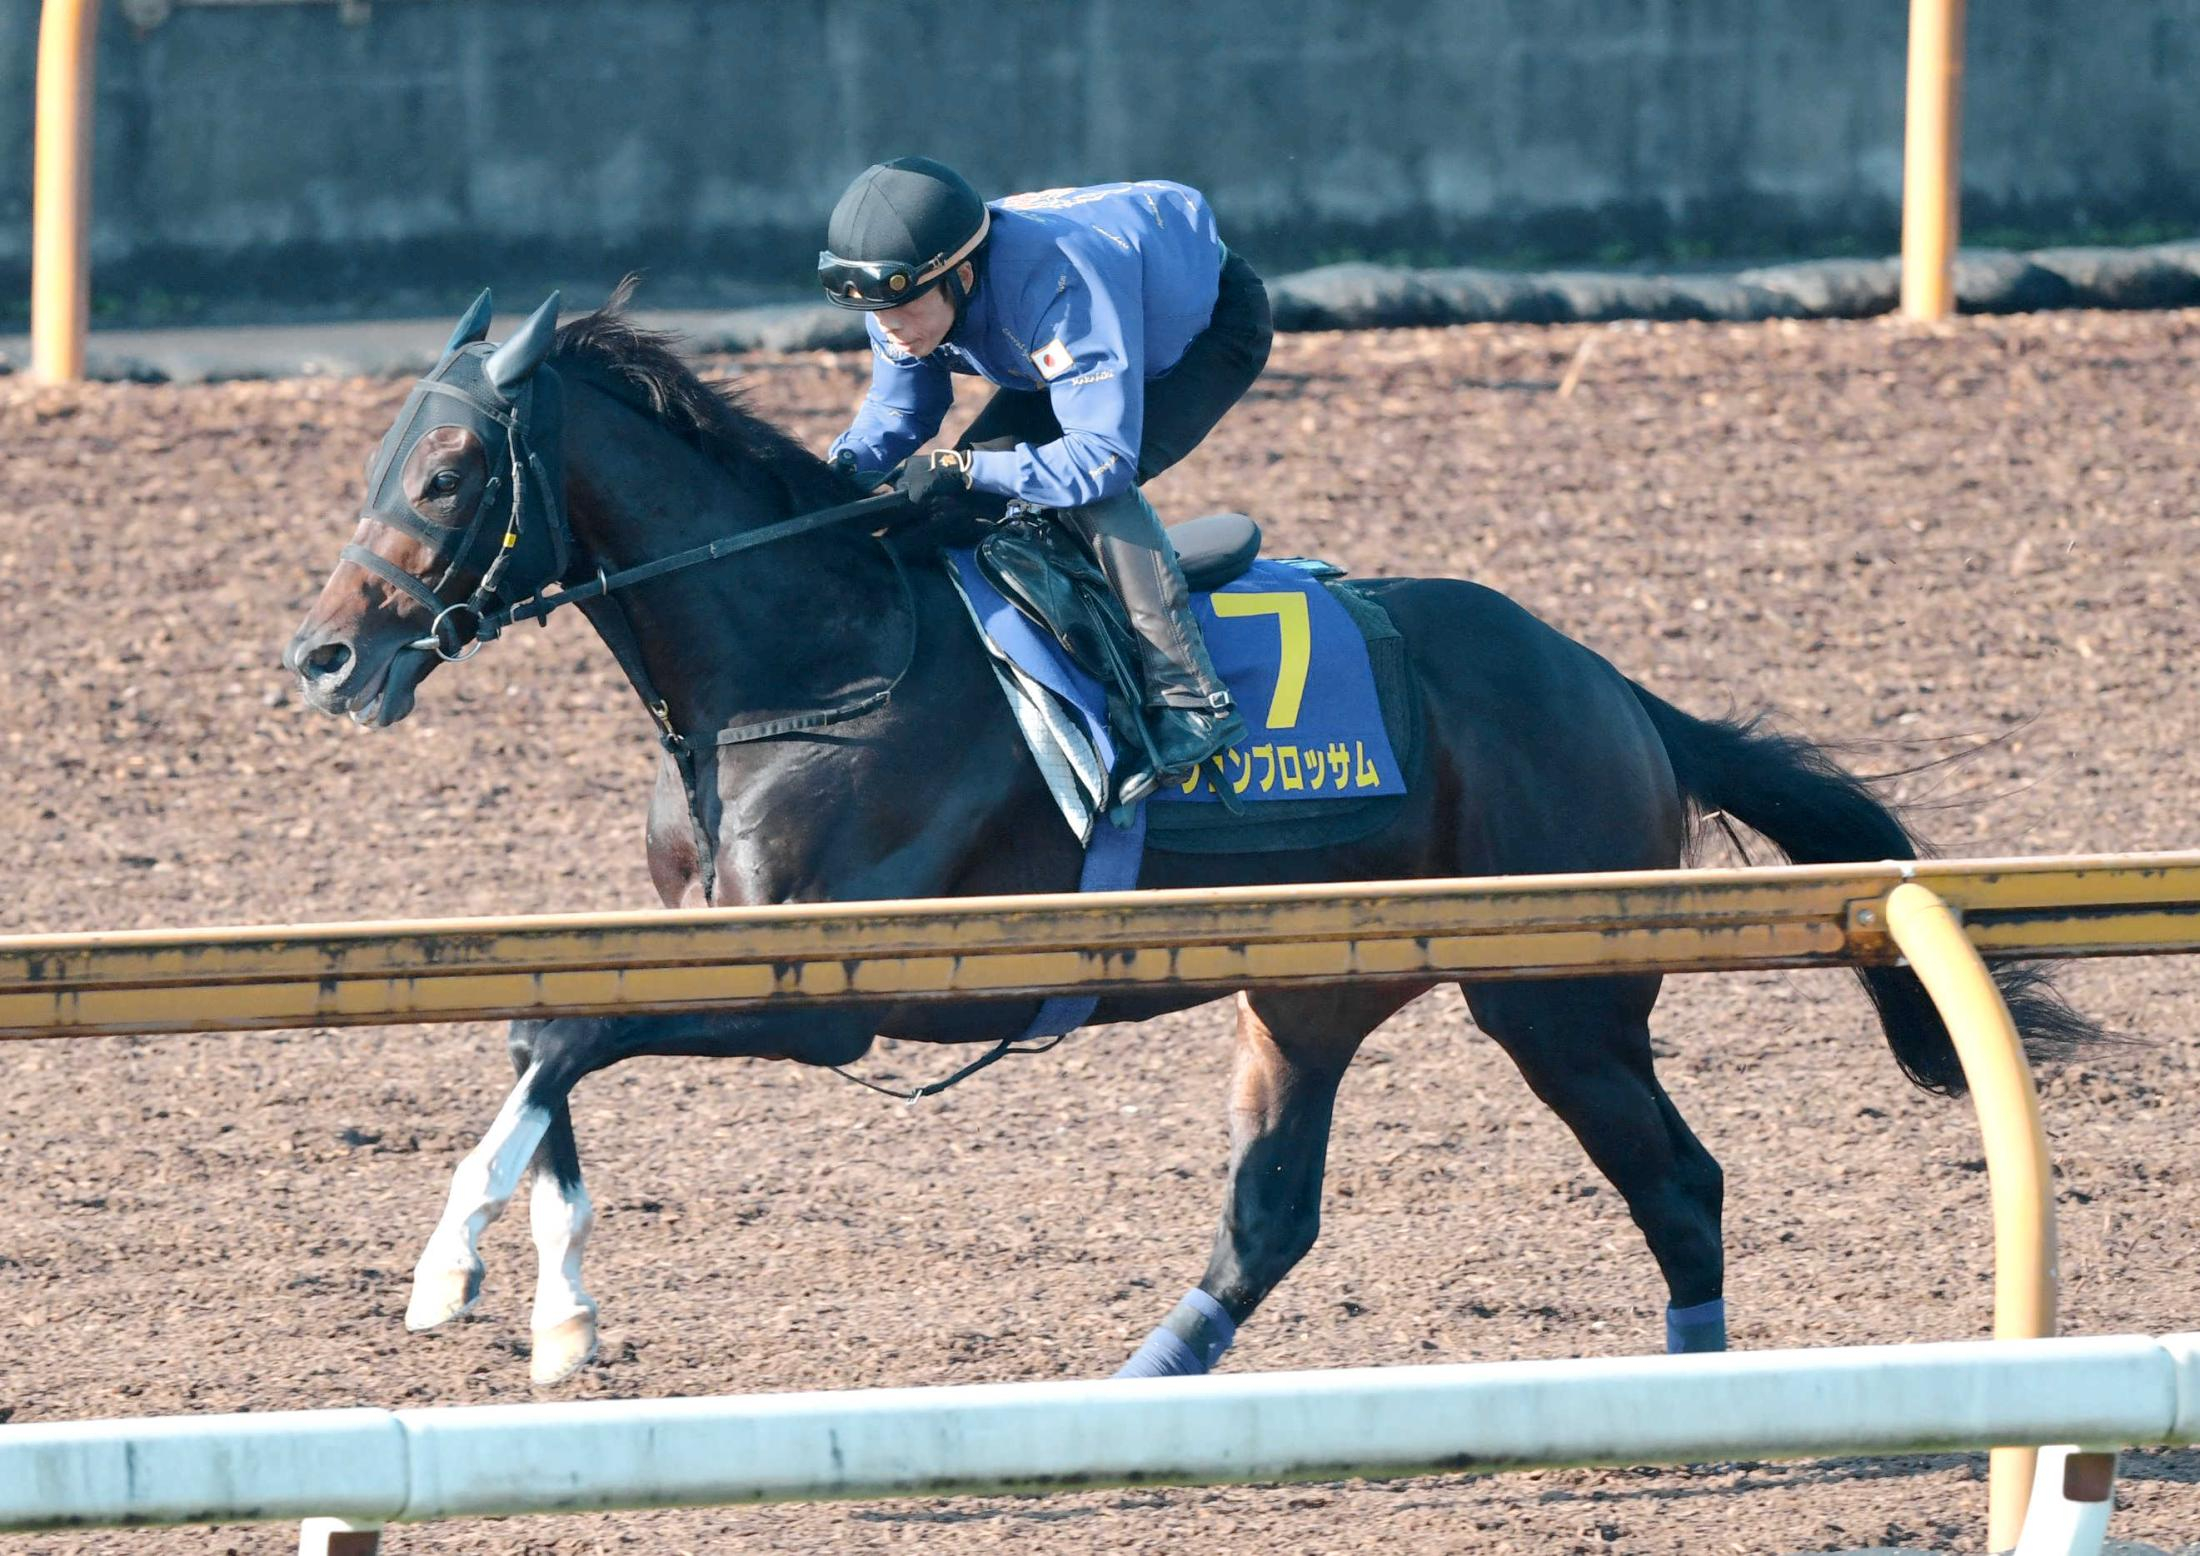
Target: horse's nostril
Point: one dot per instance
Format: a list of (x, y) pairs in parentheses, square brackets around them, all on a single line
[(326, 660)]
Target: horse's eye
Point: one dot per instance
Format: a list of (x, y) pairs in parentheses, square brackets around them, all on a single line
[(443, 482)]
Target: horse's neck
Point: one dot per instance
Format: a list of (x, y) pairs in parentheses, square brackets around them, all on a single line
[(769, 629), (898, 805)]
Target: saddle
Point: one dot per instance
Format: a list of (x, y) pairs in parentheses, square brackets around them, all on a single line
[(1042, 569)]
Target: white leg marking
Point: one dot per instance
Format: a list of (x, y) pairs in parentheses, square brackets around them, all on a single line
[(564, 1319), (561, 1222), (447, 1280)]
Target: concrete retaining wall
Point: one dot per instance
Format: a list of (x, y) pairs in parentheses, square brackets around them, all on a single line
[(402, 152)]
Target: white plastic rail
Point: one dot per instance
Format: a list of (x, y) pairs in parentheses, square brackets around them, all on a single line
[(379, 1466)]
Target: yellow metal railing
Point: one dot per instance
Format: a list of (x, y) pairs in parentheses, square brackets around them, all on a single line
[(1004, 947), (1932, 163), (2019, 1173)]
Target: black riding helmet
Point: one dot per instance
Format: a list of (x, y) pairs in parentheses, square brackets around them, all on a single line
[(902, 229)]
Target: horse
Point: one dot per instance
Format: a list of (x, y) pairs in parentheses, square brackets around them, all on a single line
[(833, 732)]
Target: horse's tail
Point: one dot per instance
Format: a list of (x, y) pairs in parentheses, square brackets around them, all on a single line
[(1817, 812)]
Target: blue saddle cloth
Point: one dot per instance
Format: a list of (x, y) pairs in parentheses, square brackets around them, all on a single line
[(1298, 667), (1293, 658)]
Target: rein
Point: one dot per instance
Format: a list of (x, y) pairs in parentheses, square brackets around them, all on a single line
[(1000, 1050), (488, 623), (541, 605)]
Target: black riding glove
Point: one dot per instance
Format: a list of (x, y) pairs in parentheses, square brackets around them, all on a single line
[(934, 481)]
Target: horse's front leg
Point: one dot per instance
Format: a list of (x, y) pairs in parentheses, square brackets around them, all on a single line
[(535, 1125), (447, 1277), (561, 1215)]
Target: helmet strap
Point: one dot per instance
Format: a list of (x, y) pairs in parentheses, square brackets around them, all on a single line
[(960, 294)]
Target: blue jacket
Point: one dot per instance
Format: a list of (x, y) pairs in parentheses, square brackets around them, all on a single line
[(1084, 293)]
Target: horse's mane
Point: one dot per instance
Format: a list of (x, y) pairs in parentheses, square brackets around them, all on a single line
[(643, 369)]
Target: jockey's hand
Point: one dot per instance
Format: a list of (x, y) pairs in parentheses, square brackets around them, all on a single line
[(934, 481)]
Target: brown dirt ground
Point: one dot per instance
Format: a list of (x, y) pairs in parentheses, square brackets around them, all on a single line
[(1914, 540)]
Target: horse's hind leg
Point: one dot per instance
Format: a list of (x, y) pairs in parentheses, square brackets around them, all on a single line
[(1584, 1047), (1292, 1050)]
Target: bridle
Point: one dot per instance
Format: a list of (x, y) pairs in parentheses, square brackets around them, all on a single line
[(531, 496), (455, 546), (457, 629), (488, 613)]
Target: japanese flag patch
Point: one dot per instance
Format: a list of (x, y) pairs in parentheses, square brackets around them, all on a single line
[(1052, 360)]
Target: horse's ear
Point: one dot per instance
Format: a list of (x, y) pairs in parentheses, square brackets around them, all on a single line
[(510, 364), (472, 326)]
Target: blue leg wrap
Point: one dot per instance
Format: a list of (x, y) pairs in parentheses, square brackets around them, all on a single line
[(1189, 1342), (1698, 1328)]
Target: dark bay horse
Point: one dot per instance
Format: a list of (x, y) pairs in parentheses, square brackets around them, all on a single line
[(569, 451)]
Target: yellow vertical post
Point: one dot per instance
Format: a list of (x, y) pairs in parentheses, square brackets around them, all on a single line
[(61, 201), (2018, 1173), (1931, 153)]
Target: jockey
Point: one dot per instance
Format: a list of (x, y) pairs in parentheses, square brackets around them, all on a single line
[(1117, 330)]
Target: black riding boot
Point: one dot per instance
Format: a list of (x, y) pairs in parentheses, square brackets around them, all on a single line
[(1188, 715)]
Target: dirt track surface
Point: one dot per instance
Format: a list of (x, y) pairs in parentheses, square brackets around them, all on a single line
[(1910, 540)]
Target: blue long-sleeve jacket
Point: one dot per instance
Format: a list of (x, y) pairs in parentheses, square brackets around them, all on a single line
[(1084, 293)]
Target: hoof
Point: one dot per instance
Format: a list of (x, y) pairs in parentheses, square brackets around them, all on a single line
[(440, 1295), (562, 1350)]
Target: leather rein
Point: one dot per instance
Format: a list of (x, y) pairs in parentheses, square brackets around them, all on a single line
[(490, 622)]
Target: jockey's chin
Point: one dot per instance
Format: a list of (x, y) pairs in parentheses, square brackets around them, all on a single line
[(912, 343), (916, 329)]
